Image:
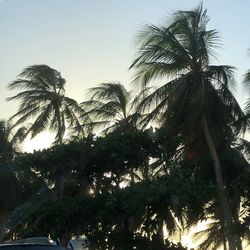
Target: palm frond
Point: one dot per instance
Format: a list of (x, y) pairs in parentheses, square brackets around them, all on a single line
[(42, 121)]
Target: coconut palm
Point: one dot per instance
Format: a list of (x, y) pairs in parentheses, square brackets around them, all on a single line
[(9, 140), (110, 106), (195, 99), (43, 100)]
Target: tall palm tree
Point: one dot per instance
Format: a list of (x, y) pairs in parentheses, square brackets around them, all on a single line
[(195, 98), (9, 140), (43, 100), (110, 106)]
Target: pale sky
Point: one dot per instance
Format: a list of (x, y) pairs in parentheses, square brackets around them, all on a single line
[(92, 41)]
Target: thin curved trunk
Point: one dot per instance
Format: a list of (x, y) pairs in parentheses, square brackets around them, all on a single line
[(238, 243), (224, 203), (161, 233), (60, 128), (132, 176), (60, 183), (236, 210), (224, 244)]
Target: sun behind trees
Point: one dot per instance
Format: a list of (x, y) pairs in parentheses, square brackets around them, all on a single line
[(134, 186)]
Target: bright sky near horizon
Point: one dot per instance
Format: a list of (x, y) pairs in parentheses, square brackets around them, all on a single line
[(92, 41)]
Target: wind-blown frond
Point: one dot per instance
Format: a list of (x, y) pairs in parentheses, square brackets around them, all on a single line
[(246, 82), (214, 236)]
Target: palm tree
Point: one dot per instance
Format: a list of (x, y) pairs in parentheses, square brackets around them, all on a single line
[(195, 100), (110, 106), (43, 99), (9, 141)]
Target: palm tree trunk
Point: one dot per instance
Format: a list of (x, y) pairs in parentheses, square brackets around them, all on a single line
[(236, 210), (60, 137), (224, 203), (238, 243), (132, 176), (160, 232), (224, 244), (60, 185)]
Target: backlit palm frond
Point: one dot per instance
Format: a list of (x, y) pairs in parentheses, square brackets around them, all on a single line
[(156, 103), (73, 111), (19, 135), (222, 75), (42, 121), (44, 73), (154, 71), (238, 118), (30, 96), (96, 126), (213, 234), (247, 80)]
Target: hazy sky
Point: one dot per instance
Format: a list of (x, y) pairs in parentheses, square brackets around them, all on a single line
[(92, 41)]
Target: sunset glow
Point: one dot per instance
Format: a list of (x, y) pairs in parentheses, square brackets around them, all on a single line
[(41, 141)]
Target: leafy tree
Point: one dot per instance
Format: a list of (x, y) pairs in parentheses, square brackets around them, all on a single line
[(133, 213), (81, 166), (19, 192), (94, 203), (43, 99), (109, 212), (15, 185), (195, 100)]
